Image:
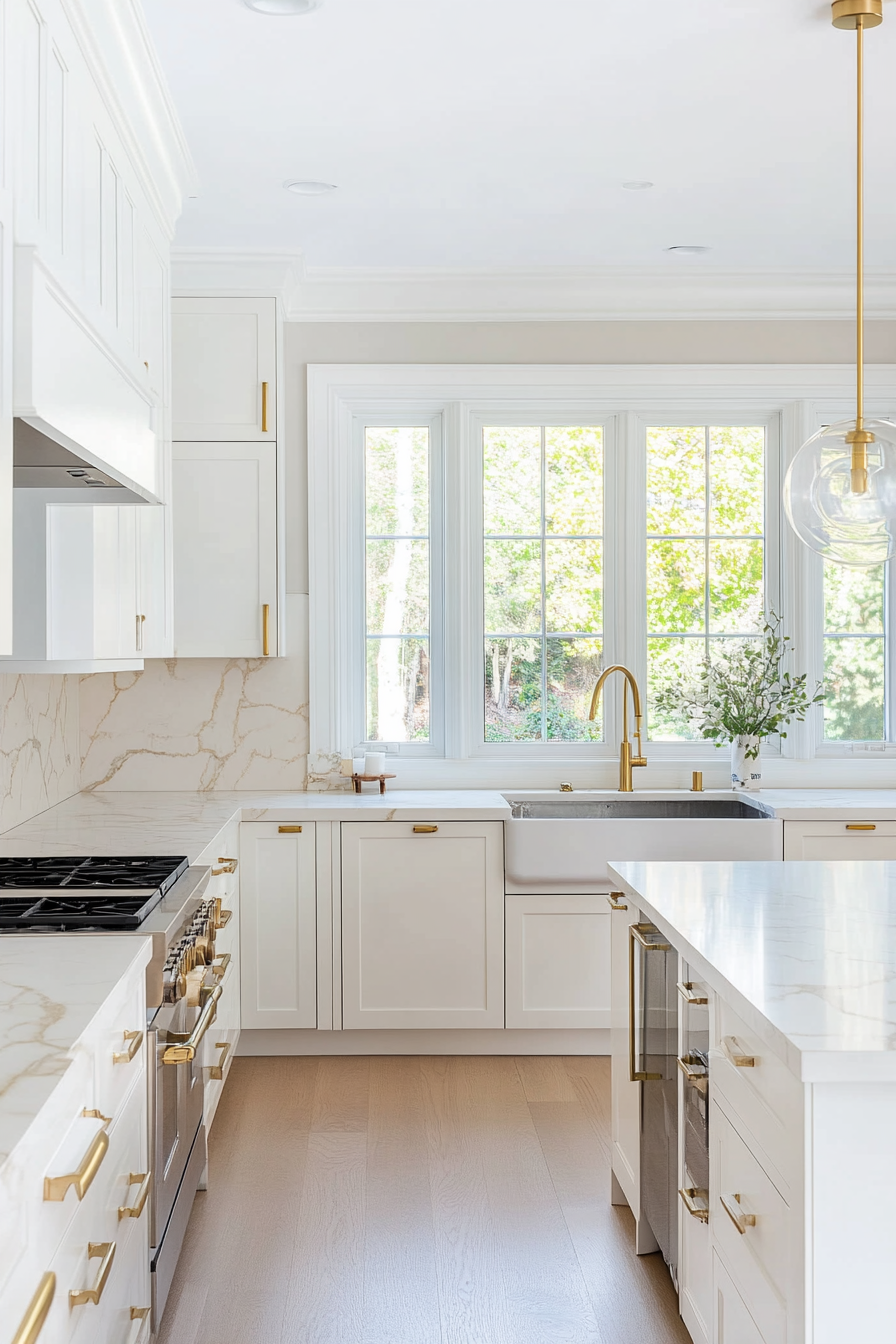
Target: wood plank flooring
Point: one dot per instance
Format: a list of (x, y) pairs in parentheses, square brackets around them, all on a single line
[(415, 1201)]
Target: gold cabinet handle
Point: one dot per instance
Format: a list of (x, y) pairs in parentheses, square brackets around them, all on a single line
[(185, 1051), (425, 830), (224, 919), (55, 1187), (696, 1202), (216, 1071), (741, 1220), (861, 826), (737, 1057), (694, 1072), (636, 935), (143, 1179), (686, 990), (134, 1040), (140, 1313), (266, 629), (219, 966), (264, 408), (96, 1115), (104, 1251), (615, 901), (289, 830), (36, 1312), (232, 864)]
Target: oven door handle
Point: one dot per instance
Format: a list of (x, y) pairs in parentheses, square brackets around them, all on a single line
[(185, 1051)]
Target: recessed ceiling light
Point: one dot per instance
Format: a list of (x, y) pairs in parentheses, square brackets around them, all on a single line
[(283, 6), (637, 186), (310, 188), (688, 249)]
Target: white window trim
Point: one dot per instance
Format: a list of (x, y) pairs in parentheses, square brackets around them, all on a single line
[(797, 398)]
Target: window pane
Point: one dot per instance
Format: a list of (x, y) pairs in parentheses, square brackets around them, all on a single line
[(573, 586), (513, 690), (853, 600), (737, 480), (671, 662), (397, 481), (675, 586), (735, 586), (854, 688), (398, 690), (573, 667), (511, 475), (676, 481), (513, 587), (397, 587), (574, 481)]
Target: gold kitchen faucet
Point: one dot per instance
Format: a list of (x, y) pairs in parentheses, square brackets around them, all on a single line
[(627, 762)]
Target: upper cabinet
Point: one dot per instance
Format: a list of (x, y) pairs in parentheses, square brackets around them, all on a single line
[(224, 361)]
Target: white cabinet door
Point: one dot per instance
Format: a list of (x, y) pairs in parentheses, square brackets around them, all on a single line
[(92, 582), (224, 514), (278, 926), (224, 370), (558, 961), (854, 839), (423, 924), (153, 617)]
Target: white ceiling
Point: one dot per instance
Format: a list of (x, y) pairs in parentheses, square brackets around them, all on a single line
[(497, 133)]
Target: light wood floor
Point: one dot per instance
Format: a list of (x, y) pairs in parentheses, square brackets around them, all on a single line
[(415, 1201)]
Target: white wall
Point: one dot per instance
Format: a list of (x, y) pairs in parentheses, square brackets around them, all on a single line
[(40, 756)]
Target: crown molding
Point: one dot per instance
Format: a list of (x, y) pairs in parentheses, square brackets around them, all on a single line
[(547, 294)]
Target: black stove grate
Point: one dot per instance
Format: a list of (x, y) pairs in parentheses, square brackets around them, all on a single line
[(84, 892)]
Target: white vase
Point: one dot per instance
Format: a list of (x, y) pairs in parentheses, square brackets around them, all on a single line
[(746, 771)]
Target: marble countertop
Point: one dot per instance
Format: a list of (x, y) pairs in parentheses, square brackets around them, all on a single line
[(804, 952), (829, 804), (50, 991)]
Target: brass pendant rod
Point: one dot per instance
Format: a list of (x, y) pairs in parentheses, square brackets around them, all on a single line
[(860, 223)]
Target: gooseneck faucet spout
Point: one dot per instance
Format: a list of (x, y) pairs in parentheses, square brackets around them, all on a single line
[(627, 761)]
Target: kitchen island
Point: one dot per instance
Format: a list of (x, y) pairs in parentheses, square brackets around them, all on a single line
[(793, 1239)]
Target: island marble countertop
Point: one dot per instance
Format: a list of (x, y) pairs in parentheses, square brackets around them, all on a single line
[(51, 988), (804, 952)]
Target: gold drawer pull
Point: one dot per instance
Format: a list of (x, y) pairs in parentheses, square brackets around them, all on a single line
[(104, 1251), (686, 990), (134, 1041), (736, 1056), (55, 1187), (185, 1051), (861, 826), (216, 1071), (143, 1179), (266, 629), (636, 935), (689, 1198), (224, 919), (96, 1115), (615, 901), (638, 932), (233, 864), (264, 408), (741, 1220), (220, 965), (695, 1073), (33, 1321), (289, 830), (425, 830), (140, 1313)]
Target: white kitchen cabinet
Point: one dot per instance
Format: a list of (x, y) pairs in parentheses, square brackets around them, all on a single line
[(557, 961), (224, 354), (850, 839), (224, 514), (278, 925), (423, 924), (220, 1043), (153, 624)]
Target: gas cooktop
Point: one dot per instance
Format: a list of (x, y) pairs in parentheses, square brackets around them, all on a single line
[(57, 894)]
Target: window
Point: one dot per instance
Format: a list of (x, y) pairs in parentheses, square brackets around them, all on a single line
[(854, 654)]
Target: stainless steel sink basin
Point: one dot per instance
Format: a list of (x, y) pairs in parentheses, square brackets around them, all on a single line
[(577, 809)]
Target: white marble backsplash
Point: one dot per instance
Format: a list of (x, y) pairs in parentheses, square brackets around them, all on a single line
[(39, 750)]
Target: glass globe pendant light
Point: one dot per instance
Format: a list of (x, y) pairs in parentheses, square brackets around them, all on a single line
[(840, 490)]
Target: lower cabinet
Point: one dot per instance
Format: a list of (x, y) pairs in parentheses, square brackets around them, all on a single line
[(557, 961), (625, 1109), (850, 840), (278, 925), (423, 924)]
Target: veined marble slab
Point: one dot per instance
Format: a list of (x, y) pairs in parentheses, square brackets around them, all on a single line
[(804, 952), (51, 988)]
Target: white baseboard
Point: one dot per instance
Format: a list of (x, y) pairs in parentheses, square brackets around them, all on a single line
[(497, 1042)]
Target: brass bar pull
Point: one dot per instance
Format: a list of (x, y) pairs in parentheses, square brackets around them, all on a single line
[(615, 901), (698, 1210), (185, 1051), (695, 1073), (638, 932), (133, 1040), (636, 1075), (96, 1115), (139, 639), (266, 629), (55, 1187), (861, 826), (216, 1071), (224, 919), (104, 1251), (220, 965), (234, 863), (737, 1057), (289, 830), (140, 1313), (741, 1220), (143, 1179), (686, 990), (425, 830), (36, 1312), (264, 408)]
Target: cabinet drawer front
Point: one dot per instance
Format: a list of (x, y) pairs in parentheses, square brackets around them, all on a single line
[(854, 839), (734, 1324), (751, 1228), (764, 1094), (119, 1044)]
